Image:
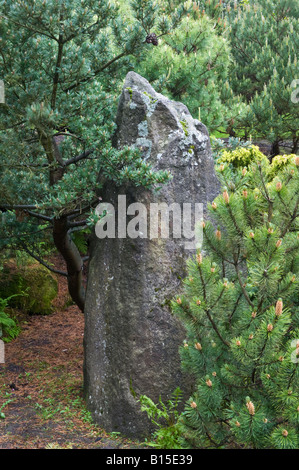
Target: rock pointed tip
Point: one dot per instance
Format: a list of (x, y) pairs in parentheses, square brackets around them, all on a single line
[(133, 74), (133, 79)]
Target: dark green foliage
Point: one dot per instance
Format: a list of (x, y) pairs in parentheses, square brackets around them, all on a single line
[(73, 107), (192, 65), (8, 327), (61, 62), (264, 46), (240, 309), (80, 239)]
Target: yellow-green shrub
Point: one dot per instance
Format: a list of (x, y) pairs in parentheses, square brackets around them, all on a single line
[(243, 157), (280, 162)]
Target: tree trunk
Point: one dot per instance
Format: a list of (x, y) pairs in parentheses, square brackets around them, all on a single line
[(72, 257), (295, 145), (274, 149), (61, 233)]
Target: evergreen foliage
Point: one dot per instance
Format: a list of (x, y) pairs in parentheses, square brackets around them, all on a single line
[(59, 62), (241, 312), (232, 143), (242, 157), (192, 65), (263, 39)]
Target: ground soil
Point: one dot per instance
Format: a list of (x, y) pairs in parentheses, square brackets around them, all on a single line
[(41, 383)]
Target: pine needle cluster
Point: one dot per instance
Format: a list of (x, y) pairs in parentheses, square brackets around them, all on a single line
[(240, 310)]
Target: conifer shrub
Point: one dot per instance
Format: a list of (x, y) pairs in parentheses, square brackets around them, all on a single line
[(242, 157), (240, 309), (280, 161)]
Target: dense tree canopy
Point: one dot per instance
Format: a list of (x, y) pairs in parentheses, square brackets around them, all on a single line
[(264, 45), (58, 60), (192, 66)]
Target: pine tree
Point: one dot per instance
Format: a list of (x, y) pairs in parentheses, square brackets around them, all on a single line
[(241, 311), (192, 66), (263, 39), (61, 62)]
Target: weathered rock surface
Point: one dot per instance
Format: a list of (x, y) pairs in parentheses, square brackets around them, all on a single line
[(131, 337)]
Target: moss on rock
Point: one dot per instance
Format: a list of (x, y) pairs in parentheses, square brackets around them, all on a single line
[(35, 286)]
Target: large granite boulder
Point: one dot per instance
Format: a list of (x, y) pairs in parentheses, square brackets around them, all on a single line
[(131, 337)]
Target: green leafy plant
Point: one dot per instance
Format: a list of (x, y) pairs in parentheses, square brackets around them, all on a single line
[(242, 157), (80, 239), (7, 401), (165, 417), (8, 327), (280, 162)]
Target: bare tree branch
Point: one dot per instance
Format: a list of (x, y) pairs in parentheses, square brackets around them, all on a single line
[(79, 223), (79, 157), (37, 258), (12, 207), (39, 216)]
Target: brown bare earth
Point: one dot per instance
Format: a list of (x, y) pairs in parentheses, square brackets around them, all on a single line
[(41, 395)]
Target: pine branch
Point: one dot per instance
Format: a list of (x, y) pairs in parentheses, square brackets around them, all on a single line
[(34, 30), (11, 207), (215, 249), (287, 213), (238, 230), (84, 31), (207, 311), (242, 286), (217, 300), (79, 223), (56, 74), (79, 157), (294, 215), (223, 269), (202, 283), (39, 216), (234, 309), (267, 197), (97, 72)]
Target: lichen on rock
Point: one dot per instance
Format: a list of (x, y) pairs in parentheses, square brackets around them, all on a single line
[(131, 337)]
